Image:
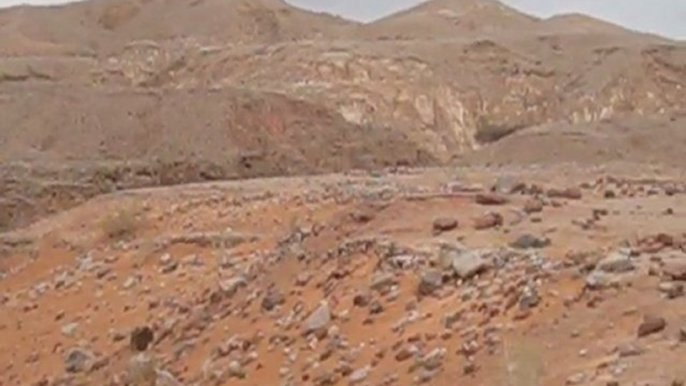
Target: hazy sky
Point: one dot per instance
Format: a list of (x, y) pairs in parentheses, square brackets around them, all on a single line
[(666, 17)]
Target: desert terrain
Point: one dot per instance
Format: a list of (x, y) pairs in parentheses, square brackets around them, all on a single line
[(456, 194)]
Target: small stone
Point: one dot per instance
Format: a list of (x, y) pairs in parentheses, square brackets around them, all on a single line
[(576, 379), (302, 279), (78, 360), (362, 299), (508, 185), (236, 370), (70, 329), (651, 324), (616, 262), (229, 287), (375, 308), (629, 349), (318, 319), (597, 280), (169, 268), (140, 338), (383, 281), (529, 298), (533, 205), (466, 264), (430, 281), (682, 335), (528, 241), (425, 376), (404, 354), (444, 224), (490, 199), (273, 299), (488, 220), (470, 368), (129, 283), (433, 360), (165, 259), (358, 376), (572, 193), (363, 215), (672, 290)]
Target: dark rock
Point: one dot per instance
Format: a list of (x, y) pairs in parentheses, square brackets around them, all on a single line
[(470, 368), (362, 299), (490, 199), (362, 216), (140, 338), (78, 360), (529, 241), (376, 308), (169, 267), (651, 324), (273, 299), (682, 335), (430, 281)]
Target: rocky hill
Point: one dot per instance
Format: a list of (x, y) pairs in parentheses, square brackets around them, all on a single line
[(207, 84)]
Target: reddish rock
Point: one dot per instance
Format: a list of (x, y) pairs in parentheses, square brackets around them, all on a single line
[(651, 324), (490, 199), (572, 193), (403, 355), (533, 205), (488, 220), (444, 224)]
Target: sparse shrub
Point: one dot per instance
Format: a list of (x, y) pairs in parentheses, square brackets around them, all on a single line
[(121, 224)]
